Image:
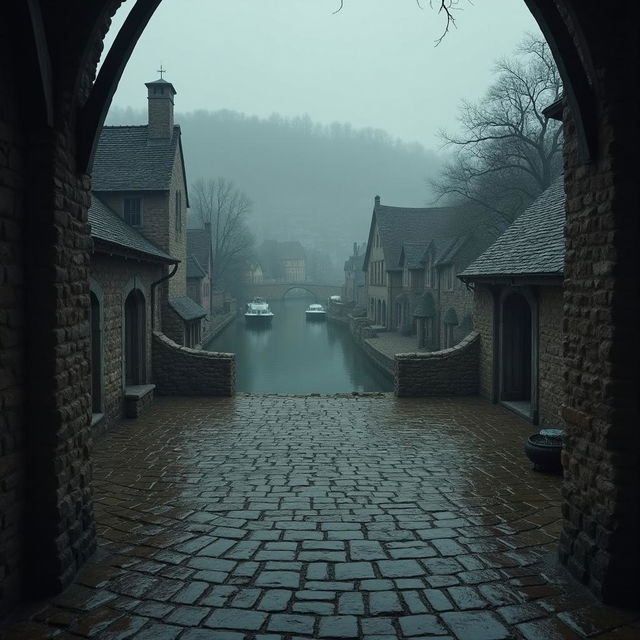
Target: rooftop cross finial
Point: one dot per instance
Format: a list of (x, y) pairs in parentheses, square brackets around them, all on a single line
[(161, 71)]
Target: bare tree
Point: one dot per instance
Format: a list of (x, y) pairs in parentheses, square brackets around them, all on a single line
[(507, 151), (223, 210)]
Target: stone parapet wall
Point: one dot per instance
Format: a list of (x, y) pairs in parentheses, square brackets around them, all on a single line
[(180, 371), (483, 317), (450, 372)]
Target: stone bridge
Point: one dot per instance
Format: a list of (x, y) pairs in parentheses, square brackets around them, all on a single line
[(278, 290)]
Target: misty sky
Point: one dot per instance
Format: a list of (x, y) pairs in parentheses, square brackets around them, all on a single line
[(374, 64)]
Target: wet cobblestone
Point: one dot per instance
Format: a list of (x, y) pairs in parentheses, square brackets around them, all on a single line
[(287, 517)]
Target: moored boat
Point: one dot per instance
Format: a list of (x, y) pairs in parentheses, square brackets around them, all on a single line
[(315, 312), (258, 312)]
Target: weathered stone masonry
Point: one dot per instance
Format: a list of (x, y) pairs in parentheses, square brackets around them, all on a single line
[(449, 372), (180, 371), (114, 277)]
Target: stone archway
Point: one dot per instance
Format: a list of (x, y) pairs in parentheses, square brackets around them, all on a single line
[(53, 112)]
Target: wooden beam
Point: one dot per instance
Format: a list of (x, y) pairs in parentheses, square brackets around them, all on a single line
[(92, 114)]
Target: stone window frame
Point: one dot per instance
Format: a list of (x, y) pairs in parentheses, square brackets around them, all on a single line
[(134, 283), (140, 212), (96, 289)]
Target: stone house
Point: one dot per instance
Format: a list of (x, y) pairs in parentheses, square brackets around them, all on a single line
[(354, 289), (283, 261), (198, 282), (518, 307), (125, 273), (139, 173), (255, 275), (412, 257)]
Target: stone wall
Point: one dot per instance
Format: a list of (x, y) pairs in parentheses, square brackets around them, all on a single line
[(173, 325), (483, 317), (180, 371), (115, 278), (450, 372), (550, 365), (601, 349), (12, 354)]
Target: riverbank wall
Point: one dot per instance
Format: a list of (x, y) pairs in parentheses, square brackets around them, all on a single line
[(361, 330), (447, 372)]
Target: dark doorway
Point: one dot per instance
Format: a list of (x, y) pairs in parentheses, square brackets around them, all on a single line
[(135, 338), (516, 349), (96, 354)]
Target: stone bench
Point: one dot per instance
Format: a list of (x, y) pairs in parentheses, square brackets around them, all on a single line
[(137, 398)]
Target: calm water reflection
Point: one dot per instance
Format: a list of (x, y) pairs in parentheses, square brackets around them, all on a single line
[(296, 356)]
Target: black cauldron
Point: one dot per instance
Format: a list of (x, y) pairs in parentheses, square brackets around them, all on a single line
[(544, 449)]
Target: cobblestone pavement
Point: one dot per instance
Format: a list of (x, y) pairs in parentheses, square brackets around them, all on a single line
[(390, 343), (273, 517)]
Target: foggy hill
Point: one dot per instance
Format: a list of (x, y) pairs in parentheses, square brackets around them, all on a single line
[(308, 182)]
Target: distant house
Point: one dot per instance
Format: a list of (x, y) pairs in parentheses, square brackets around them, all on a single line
[(293, 260), (410, 264), (139, 173), (198, 283), (255, 274), (518, 304), (354, 290), (283, 261), (199, 252)]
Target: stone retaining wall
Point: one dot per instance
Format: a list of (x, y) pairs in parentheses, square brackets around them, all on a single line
[(180, 371), (450, 372)]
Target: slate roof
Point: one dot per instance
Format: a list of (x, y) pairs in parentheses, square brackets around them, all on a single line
[(198, 246), (127, 160), (412, 253), (194, 270), (402, 224), (449, 248), (187, 308), (110, 230), (532, 246)]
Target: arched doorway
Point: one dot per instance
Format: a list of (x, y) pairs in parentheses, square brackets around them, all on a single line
[(517, 354), (135, 339)]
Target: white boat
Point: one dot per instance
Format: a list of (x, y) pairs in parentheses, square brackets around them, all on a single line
[(315, 312), (258, 312)]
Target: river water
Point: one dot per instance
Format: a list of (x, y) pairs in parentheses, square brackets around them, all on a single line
[(296, 356)]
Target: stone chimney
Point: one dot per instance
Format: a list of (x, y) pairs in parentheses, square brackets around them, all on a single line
[(377, 200), (160, 98)]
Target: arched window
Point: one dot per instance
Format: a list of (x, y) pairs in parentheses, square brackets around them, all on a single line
[(135, 339), (95, 325)]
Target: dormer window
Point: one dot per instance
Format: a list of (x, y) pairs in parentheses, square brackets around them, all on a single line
[(132, 210)]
